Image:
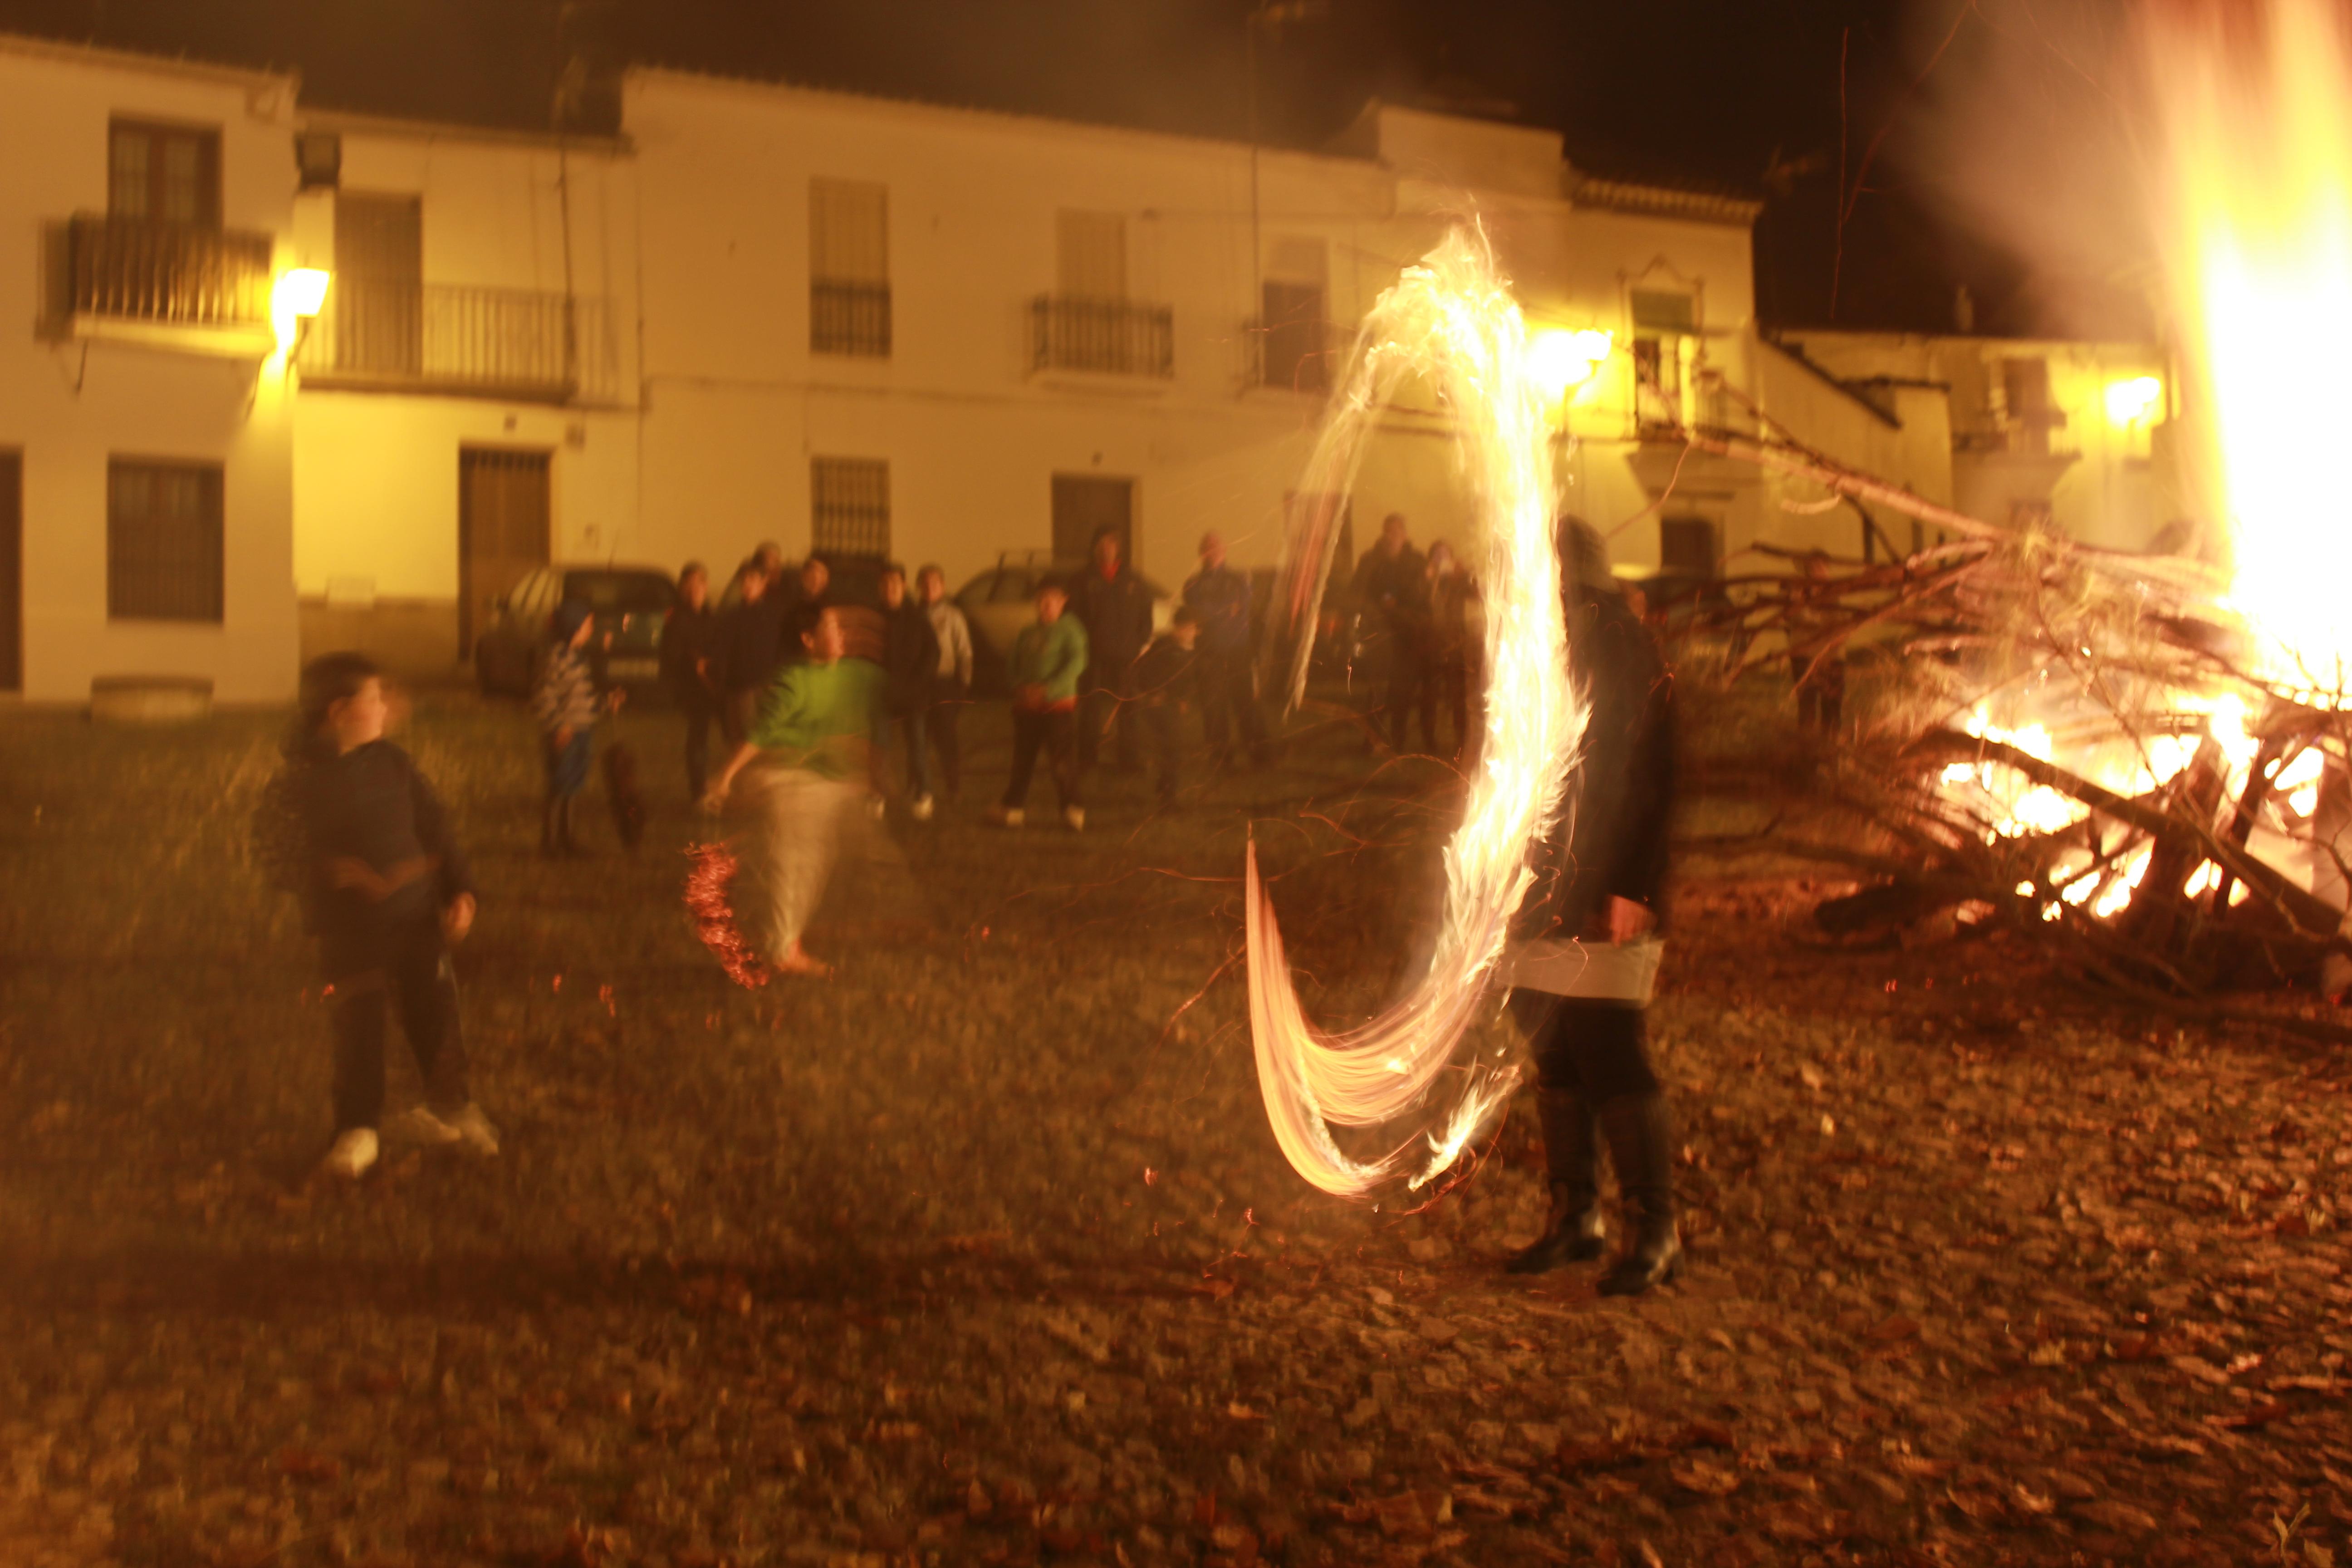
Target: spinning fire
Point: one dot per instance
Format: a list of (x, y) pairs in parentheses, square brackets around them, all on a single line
[(2142, 757)]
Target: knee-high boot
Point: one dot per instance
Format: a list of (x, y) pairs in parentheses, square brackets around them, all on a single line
[(1641, 1146), (1571, 1232)]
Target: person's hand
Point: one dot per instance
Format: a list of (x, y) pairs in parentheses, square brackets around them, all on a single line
[(714, 799), (1627, 920), (458, 918)]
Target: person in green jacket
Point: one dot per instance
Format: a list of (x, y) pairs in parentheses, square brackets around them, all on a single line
[(808, 739), (1046, 660)]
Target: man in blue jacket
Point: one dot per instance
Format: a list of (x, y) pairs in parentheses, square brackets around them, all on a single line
[(1219, 599), (1115, 607)]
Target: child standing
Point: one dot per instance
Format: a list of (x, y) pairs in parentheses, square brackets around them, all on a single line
[(1047, 659), (387, 893), (1165, 678), (566, 705), (951, 686), (819, 711)]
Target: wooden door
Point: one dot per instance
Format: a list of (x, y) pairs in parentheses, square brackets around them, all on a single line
[(1085, 504), (502, 531), (12, 572)]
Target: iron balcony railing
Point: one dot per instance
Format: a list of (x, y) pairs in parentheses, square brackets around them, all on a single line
[(1110, 336), (849, 318), (399, 334), (1295, 355), (176, 274)]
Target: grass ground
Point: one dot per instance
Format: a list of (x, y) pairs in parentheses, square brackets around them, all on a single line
[(981, 1252)]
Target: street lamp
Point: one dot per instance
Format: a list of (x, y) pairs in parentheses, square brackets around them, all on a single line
[(295, 299)]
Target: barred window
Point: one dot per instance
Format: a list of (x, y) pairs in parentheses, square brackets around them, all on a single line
[(850, 507), (849, 268), (163, 174), (163, 540)]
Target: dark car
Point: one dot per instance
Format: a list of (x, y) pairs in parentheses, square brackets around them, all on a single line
[(630, 603)]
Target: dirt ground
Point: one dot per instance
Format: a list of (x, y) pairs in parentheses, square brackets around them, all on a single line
[(983, 1252)]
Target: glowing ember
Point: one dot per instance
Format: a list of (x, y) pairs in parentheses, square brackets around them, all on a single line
[(710, 886), (1450, 321)]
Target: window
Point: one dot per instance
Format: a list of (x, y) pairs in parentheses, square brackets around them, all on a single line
[(2025, 400), (1686, 549), (849, 268), (375, 313), (849, 507), (163, 540), (1662, 320), (163, 174), (1092, 253), (1291, 335)]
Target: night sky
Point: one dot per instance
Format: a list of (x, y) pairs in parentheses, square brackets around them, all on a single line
[(1740, 94)]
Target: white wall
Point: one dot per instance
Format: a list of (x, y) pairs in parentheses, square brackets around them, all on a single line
[(69, 405)]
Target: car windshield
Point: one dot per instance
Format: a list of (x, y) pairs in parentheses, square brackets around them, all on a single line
[(628, 591)]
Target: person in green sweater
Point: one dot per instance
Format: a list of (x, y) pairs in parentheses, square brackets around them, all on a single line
[(808, 741), (1046, 660)]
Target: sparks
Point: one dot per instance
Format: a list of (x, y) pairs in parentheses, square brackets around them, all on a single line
[(1451, 322), (709, 884)]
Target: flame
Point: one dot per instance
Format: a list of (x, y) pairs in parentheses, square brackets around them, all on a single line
[(2256, 104), (1449, 321)]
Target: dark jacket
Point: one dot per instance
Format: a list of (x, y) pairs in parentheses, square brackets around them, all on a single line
[(690, 638), (1163, 674), (910, 658), (1612, 838), (749, 639), (1220, 598), (1117, 613), (376, 844), (1394, 589)]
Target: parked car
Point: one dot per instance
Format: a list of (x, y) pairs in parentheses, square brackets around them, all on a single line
[(1003, 599), (630, 603)]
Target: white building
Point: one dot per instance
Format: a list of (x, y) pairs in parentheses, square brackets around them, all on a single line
[(847, 324), (146, 432)]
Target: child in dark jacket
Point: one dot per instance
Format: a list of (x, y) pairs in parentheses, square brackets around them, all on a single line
[(1165, 681), (387, 893)]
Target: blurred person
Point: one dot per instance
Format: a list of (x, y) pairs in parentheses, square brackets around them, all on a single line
[(951, 685), (802, 780), (1392, 588), (808, 596), (748, 642), (1448, 650), (1047, 660), (910, 664), (1164, 681), (356, 830), (1219, 599), (1584, 955), (566, 703), (690, 666), (1818, 672), (1115, 607), (768, 557)]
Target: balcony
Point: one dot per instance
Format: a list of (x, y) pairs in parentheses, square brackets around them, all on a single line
[(1102, 337), (849, 318), (1291, 355), (170, 282), (388, 335)]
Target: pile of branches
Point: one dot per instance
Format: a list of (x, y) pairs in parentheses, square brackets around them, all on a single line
[(1950, 651)]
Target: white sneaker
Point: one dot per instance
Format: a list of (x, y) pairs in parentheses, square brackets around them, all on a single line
[(1075, 816), (420, 1125), (922, 809), (1007, 816), (471, 1128), (353, 1153)]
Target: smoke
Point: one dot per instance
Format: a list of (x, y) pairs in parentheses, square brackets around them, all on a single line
[(2033, 131)]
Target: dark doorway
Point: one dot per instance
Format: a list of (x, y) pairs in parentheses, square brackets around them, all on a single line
[(12, 572), (1084, 504), (502, 528)]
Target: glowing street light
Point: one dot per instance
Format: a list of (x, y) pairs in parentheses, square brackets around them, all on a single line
[(2131, 400), (299, 295), (1558, 361)]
